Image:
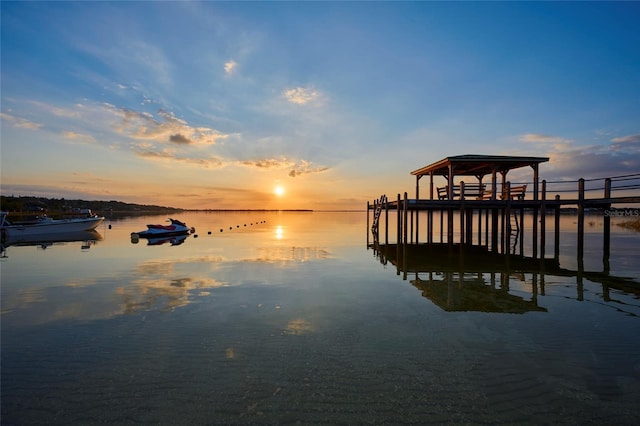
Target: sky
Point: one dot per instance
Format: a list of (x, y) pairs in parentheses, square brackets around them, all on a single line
[(307, 105)]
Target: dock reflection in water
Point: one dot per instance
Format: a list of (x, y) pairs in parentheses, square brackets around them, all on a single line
[(472, 278)]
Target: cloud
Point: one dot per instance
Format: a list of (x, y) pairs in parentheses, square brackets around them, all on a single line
[(166, 128), (78, 137), (20, 122), (59, 111), (129, 54), (569, 160), (304, 167), (301, 95), (164, 138), (172, 157), (540, 138), (268, 163), (630, 138), (629, 143), (584, 163), (169, 117), (155, 154), (230, 67), (179, 139)]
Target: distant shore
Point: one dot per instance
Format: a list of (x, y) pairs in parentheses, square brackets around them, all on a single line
[(30, 205)]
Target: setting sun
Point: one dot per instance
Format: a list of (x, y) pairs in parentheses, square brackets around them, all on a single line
[(279, 190)]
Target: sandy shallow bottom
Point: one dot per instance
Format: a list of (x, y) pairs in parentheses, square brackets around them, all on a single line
[(247, 357)]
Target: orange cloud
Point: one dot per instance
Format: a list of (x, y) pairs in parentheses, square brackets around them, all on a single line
[(230, 67), (301, 95), (19, 122)]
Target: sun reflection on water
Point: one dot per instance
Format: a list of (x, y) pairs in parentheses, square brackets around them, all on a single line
[(279, 232)]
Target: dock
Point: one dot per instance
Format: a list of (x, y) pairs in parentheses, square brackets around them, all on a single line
[(489, 209)]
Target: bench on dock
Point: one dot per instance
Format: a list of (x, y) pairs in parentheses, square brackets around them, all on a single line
[(470, 190), (516, 192)]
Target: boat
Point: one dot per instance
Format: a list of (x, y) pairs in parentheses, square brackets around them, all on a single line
[(59, 237), (44, 241), (44, 225), (156, 231)]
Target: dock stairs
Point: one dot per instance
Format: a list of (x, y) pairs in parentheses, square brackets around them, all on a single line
[(376, 216)]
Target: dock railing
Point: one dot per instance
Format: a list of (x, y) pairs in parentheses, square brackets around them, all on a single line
[(624, 189)]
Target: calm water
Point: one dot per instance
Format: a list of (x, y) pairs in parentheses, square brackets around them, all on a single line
[(289, 318)]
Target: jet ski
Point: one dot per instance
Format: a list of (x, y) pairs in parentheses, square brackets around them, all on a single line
[(156, 231)]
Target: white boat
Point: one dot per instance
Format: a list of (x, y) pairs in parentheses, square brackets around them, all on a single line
[(44, 225), (156, 231)]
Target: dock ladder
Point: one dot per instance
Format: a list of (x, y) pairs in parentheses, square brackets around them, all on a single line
[(514, 228), (376, 216), (514, 225)]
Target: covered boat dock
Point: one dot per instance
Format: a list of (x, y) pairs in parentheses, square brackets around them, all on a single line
[(477, 166), (474, 192)]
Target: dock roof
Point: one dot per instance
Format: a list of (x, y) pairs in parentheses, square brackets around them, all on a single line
[(478, 165)]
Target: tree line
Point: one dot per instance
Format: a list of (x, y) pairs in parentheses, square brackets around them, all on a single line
[(28, 204)]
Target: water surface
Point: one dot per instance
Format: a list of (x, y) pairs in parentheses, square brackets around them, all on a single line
[(265, 317)]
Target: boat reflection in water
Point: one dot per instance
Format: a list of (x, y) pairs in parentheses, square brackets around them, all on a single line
[(175, 240), (472, 278), (44, 241)]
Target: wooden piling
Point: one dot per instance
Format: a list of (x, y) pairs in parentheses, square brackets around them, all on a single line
[(461, 218), (506, 221), (580, 218), (405, 214), (386, 220), (556, 229), (606, 244), (368, 208), (543, 218)]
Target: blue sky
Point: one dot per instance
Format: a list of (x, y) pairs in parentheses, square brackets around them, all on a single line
[(214, 104)]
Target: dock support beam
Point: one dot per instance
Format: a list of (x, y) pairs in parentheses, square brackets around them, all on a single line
[(556, 229), (543, 219), (606, 243), (386, 220), (405, 218), (580, 223), (368, 208)]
